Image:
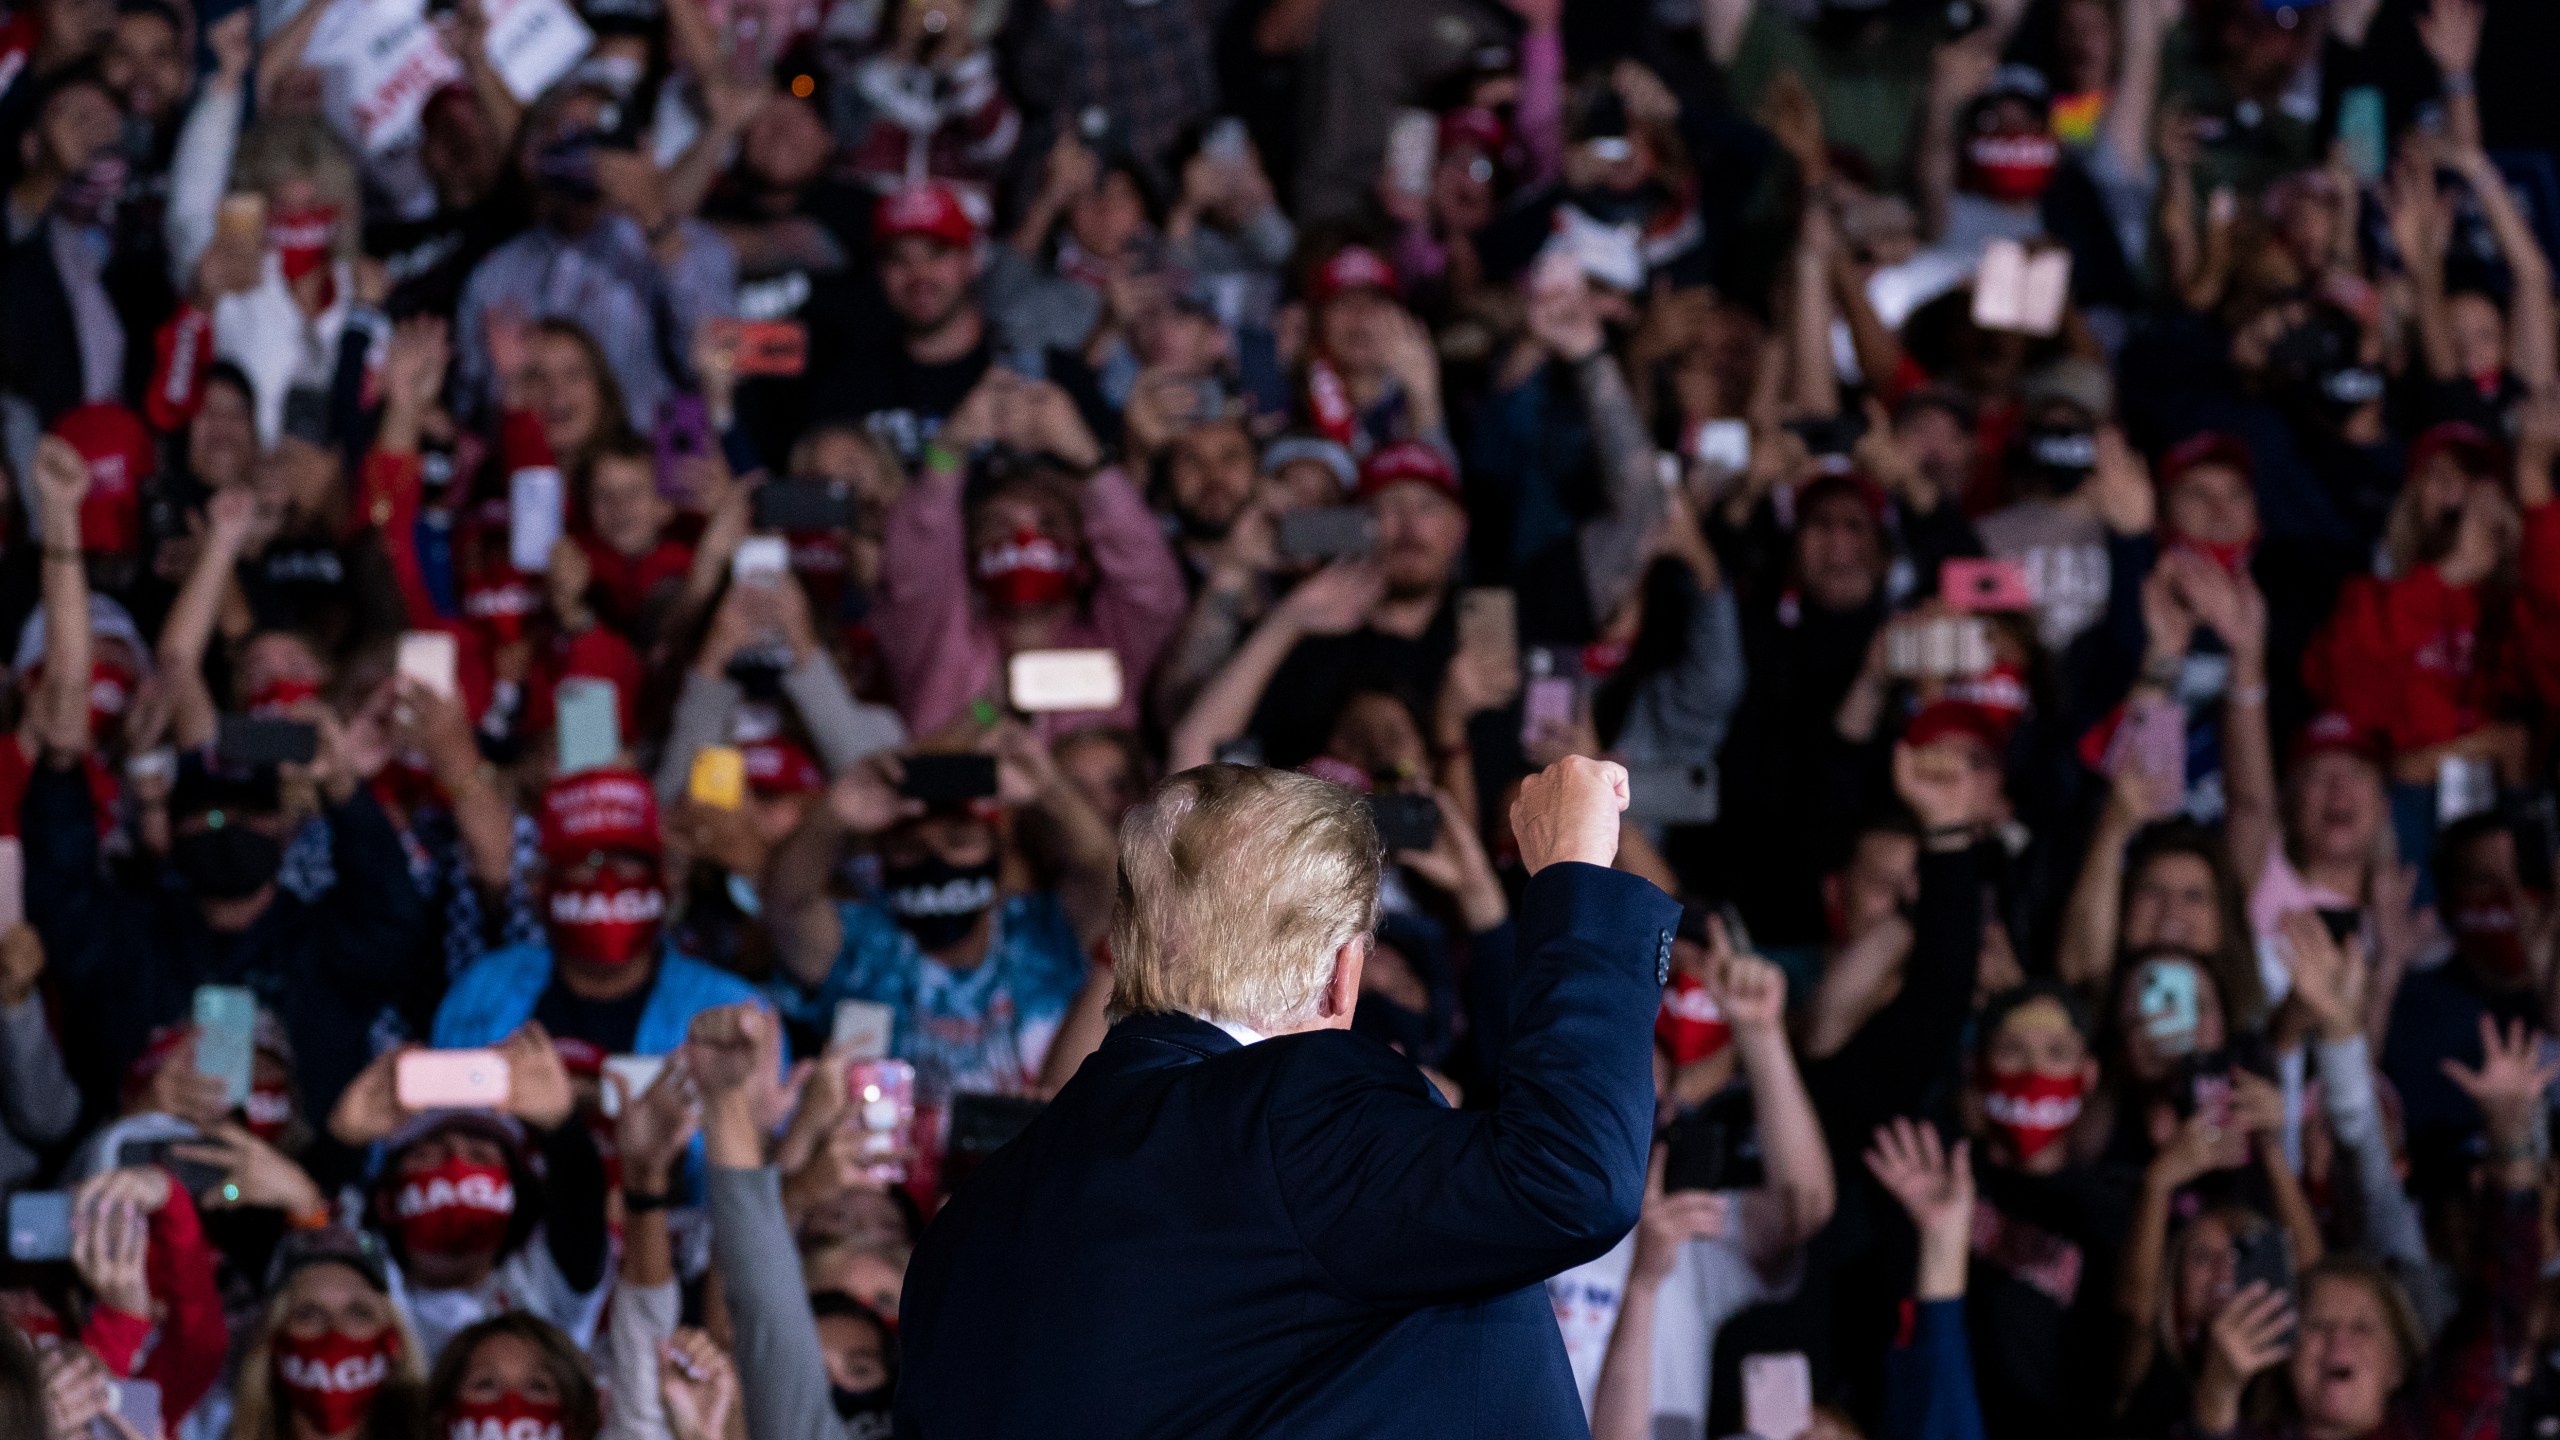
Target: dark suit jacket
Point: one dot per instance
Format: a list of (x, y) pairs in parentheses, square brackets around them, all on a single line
[(41, 360), (1298, 1237)]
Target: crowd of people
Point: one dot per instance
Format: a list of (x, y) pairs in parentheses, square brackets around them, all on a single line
[(592, 582)]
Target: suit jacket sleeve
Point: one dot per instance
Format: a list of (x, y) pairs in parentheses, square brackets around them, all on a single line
[(1401, 1200)]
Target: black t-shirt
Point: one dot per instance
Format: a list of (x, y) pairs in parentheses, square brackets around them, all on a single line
[(612, 1026), (1323, 671), (429, 259), (902, 402), (2043, 1277)]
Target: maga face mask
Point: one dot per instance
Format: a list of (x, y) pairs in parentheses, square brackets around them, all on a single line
[(2032, 1109), (331, 1380), (455, 1207), (1029, 569), (509, 1417), (937, 901), (301, 239), (2011, 169), (607, 922), (1690, 1024)]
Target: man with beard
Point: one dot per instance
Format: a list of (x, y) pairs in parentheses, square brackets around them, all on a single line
[(1210, 476), (905, 386), (603, 973), (1382, 623)]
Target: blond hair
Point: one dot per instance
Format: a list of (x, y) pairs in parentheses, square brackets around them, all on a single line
[(259, 1413), (303, 147), (1237, 885)]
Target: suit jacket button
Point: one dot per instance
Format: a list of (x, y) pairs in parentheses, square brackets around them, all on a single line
[(1662, 958)]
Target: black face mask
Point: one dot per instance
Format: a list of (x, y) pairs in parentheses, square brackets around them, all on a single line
[(2063, 457), (937, 901), (852, 1404), (228, 862)]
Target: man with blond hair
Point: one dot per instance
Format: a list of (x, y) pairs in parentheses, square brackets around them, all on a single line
[(1240, 1218)]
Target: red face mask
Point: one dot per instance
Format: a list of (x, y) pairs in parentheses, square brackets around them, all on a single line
[(1029, 569), (2232, 556), (1689, 1024), (2492, 935), (2032, 1109), (509, 1417), (456, 1207), (331, 1381), (500, 607), (606, 924), (2012, 169), (268, 1110), (282, 694), (301, 239)]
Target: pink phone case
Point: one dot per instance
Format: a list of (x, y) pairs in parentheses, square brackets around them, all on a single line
[(452, 1080), (884, 1114), (1977, 586)]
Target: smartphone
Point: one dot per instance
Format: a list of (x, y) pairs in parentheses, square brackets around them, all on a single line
[(719, 777), (137, 1404), (1489, 624), (980, 1126), (250, 742), (1724, 447), (40, 1225), (427, 656), (883, 1112), (242, 216), (760, 560), (772, 347), (1777, 1395), (590, 724), (226, 1027), (1716, 1146), (683, 431), (2017, 291), (949, 779), (1413, 151), (1830, 435), (452, 1080), (193, 1176), (2265, 1258), (1672, 794), (534, 517), (800, 505), (13, 884), (1343, 532), (862, 1029), (1979, 586), (638, 1073), (2465, 786), (2153, 739), (1038, 681), (2361, 130), (307, 416), (2165, 999), (1405, 822), (1548, 697)]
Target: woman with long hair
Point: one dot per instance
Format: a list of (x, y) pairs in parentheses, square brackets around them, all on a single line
[(333, 1357)]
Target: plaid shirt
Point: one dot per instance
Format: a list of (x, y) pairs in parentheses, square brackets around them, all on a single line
[(1149, 64)]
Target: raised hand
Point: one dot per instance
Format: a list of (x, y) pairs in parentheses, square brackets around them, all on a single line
[(1927, 1176), (2253, 1332), (2450, 29), (21, 965), (656, 1125), (255, 1174), (538, 1089), (2120, 486), (111, 1235), (1669, 1221), (698, 1384), (1569, 811), (2328, 980), (2508, 1084), (1337, 599), (1750, 991)]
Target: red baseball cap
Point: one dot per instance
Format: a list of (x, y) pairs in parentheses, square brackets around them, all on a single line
[(1353, 267), (610, 809), (1407, 460), (775, 766), (1474, 127), (117, 449), (2474, 449), (1949, 719), (2335, 731), (930, 210), (2207, 447)]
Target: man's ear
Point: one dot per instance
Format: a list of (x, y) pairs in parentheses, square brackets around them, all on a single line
[(1342, 990)]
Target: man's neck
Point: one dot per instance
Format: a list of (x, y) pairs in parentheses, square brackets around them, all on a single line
[(1407, 616), (948, 341), (230, 917), (1033, 628)]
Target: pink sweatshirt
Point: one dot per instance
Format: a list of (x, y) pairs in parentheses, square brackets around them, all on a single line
[(943, 651)]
